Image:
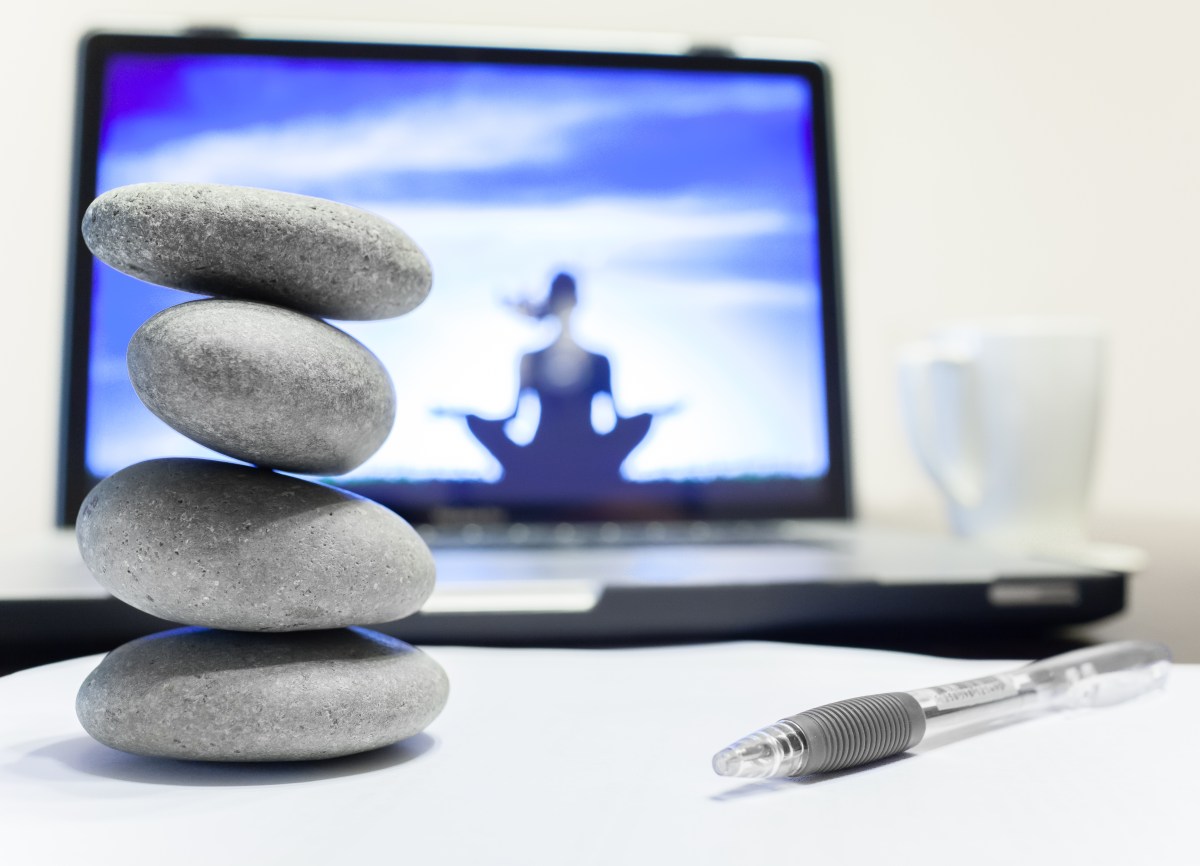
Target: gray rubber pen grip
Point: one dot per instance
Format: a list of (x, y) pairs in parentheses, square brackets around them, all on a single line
[(858, 730)]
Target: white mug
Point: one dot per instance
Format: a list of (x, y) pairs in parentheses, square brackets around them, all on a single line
[(1004, 418)]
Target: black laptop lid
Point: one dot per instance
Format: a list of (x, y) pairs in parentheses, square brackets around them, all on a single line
[(635, 305)]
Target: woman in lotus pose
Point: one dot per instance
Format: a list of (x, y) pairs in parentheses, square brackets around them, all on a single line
[(567, 381)]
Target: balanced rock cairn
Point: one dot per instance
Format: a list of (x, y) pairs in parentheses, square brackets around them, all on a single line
[(272, 570)]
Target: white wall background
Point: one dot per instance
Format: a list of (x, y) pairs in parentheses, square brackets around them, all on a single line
[(997, 158)]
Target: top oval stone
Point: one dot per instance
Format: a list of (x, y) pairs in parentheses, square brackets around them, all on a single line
[(316, 256)]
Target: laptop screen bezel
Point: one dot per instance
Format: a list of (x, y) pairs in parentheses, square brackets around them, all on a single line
[(826, 497)]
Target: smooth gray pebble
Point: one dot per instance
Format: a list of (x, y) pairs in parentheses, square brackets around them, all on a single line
[(206, 695), (263, 384), (310, 254), (218, 544)]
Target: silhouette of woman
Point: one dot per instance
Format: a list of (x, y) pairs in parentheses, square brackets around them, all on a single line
[(566, 449)]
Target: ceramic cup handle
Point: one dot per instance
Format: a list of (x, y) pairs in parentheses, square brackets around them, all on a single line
[(939, 401)]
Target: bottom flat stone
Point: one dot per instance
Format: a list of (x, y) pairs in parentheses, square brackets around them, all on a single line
[(208, 695)]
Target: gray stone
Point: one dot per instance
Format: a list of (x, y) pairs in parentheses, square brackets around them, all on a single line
[(263, 384), (312, 255), (218, 544), (210, 695)]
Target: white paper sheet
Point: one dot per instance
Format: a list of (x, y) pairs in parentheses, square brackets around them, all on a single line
[(602, 757)]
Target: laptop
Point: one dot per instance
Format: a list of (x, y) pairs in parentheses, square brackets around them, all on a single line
[(622, 410)]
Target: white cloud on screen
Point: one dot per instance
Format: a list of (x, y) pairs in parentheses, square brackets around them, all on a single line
[(641, 235), (465, 132), (752, 293), (742, 95), (463, 135)]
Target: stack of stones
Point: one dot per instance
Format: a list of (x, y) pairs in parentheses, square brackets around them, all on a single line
[(272, 572)]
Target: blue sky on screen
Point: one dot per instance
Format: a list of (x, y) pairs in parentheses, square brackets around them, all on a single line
[(682, 202)]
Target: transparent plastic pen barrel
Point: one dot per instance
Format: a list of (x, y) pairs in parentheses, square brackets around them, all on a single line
[(1092, 677), (860, 730)]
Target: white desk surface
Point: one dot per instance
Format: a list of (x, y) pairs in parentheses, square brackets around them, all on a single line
[(602, 757)]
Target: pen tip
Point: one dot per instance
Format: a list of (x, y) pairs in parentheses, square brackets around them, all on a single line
[(771, 751), (726, 762)]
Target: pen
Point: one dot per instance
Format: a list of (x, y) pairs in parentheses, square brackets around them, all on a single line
[(860, 730)]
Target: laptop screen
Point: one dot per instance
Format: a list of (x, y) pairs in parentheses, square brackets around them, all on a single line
[(633, 316)]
